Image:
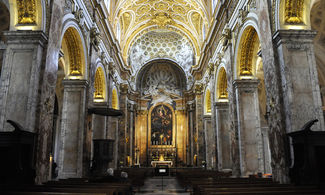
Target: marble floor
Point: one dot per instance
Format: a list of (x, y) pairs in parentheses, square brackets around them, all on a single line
[(162, 186)]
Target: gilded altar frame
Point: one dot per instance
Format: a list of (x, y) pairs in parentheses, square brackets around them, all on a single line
[(173, 145)]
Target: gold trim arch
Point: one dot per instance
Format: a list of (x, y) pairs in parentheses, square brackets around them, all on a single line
[(207, 102), (174, 127), (222, 85), (247, 49), (100, 86), (74, 56), (115, 102)]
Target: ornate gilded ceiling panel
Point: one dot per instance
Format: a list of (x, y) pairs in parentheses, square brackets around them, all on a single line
[(187, 16)]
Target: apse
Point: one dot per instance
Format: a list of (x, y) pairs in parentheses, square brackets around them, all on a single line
[(161, 81)]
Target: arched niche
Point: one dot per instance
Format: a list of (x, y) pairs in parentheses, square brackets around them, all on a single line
[(221, 86), (161, 81), (73, 54), (100, 85)]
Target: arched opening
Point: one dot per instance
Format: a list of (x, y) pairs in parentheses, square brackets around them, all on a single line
[(99, 86), (115, 103), (252, 91), (318, 24), (161, 85)]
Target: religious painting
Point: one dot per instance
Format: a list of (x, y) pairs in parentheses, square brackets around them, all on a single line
[(161, 125)]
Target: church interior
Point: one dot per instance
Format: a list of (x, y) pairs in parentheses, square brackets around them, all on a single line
[(117, 97)]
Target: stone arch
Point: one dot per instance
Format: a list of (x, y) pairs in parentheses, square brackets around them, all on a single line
[(100, 94), (115, 101), (222, 86), (28, 15), (250, 87), (73, 49), (207, 101)]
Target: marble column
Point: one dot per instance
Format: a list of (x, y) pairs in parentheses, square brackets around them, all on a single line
[(190, 140), (199, 137), (20, 78), (122, 130), (210, 144), (73, 128), (301, 93), (250, 138), (223, 136), (131, 137)]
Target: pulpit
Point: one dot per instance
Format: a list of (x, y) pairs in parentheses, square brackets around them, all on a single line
[(309, 155), (17, 151), (103, 154)]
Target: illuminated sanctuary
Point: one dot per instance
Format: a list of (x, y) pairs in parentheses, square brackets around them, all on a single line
[(216, 85)]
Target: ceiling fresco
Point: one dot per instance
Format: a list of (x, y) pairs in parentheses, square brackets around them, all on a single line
[(186, 17)]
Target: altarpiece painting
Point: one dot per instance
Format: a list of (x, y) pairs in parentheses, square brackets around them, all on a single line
[(161, 125)]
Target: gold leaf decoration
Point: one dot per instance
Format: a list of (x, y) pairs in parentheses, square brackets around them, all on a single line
[(247, 52), (99, 84), (26, 11), (294, 11)]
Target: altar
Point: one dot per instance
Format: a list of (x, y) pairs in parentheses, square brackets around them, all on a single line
[(162, 163)]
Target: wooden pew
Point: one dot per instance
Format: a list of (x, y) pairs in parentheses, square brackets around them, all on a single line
[(212, 183)]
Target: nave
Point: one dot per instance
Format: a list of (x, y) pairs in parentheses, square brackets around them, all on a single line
[(145, 181)]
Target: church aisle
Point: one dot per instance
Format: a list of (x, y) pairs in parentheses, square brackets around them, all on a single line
[(153, 186)]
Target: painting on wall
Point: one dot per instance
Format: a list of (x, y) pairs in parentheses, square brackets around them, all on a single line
[(161, 125)]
